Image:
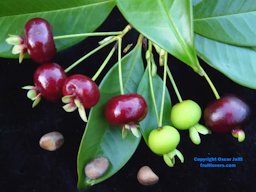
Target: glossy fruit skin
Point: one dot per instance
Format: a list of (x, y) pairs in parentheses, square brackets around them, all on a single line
[(225, 114), (185, 114), (163, 140), (126, 109), (39, 40), (48, 80), (82, 88)]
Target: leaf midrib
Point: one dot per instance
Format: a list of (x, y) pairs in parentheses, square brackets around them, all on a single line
[(176, 32)]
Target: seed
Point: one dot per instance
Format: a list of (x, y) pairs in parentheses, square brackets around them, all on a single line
[(146, 176), (51, 141), (96, 168)]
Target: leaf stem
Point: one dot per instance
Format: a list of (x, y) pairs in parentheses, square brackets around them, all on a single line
[(95, 34), (103, 65), (176, 90), (88, 55), (148, 58), (214, 90), (119, 39), (164, 88)]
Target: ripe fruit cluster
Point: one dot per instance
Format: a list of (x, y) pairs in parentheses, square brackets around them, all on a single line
[(50, 79), (77, 91)]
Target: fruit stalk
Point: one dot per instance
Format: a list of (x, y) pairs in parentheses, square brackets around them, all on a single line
[(88, 55), (164, 88), (120, 65), (148, 59), (214, 90), (103, 65), (95, 34), (176, 90)]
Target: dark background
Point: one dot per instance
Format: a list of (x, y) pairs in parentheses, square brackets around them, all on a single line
[(25, 167)]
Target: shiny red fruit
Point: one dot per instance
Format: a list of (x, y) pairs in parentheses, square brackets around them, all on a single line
[(48, 80), (39, 40), (226, 114), (126, 109), (82, 88)]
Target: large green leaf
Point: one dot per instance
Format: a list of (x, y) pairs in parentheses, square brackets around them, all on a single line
[(228, 21), (150, 122), (102, 139), (66, 17), (168, 23), (237, 63)]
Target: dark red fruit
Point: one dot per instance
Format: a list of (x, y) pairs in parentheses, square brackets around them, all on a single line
[(126, 109), (83, 89), (39, 40), (226, 114), (48, 80)]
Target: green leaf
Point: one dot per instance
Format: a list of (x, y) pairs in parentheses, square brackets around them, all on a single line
[(195, 2), (228, 21), (66, 17), (237, 63), (150, 121), (102, 139), (168, 23)]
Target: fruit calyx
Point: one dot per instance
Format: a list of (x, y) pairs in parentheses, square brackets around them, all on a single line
[(33, 94), (239, 134), (169, 158), (134, 128), (19, 45), (195, 131)]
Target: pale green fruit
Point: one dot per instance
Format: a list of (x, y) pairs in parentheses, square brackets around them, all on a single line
[(185, 114), (163, 140)]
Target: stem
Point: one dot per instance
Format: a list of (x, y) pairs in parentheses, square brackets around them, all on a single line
[(174, 85), (103, 65), (119, 39), (214, 90), (89, 54), (87, 35), (126, 30), (148, 58), (164, 88)]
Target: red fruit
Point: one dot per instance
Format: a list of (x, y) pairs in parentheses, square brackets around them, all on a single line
[(83, 89), (226, 114), (39, 40), (126, 109), (48, 80)]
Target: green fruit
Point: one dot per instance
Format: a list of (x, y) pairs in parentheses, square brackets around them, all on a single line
[(185, 114), (163, 140)]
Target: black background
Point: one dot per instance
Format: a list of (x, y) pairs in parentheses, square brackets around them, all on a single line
[(25, 167)]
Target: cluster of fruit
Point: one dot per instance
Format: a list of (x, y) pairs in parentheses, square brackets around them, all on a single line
[(227, 114), (76, 91)]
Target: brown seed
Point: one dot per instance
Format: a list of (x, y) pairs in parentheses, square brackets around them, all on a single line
[(146, 176), (96, 168), (51, 141)]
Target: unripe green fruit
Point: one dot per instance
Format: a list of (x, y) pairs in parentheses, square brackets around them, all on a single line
[(185, 114), (163, 140)]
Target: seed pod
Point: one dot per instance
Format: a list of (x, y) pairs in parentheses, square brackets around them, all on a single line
[(146, 176), (96, 168), (51, 141)]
